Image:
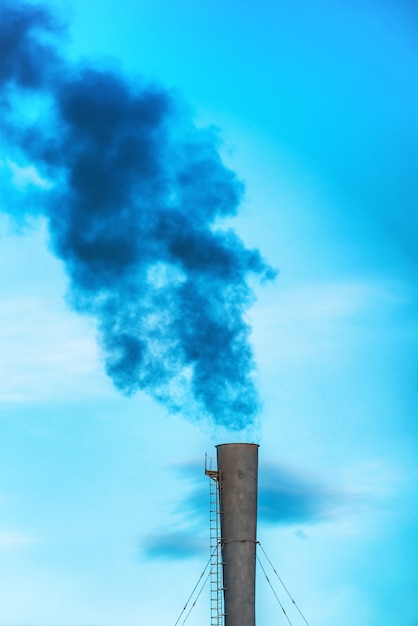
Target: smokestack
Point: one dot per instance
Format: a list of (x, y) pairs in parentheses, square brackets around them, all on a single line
[(238, 470)]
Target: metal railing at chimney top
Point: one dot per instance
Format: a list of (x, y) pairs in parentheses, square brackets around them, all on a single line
[(216, 575)]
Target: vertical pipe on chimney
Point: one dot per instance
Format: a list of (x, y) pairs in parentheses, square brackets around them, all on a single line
[(238, 470)]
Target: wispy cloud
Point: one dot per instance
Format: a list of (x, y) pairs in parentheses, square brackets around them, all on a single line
[(174, 545), (316, 320), (44, 355), (336, 301), (286, 498), (187, 536), (12, 539)]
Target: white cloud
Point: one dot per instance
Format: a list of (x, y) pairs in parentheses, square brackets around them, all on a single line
[(317, 319), (11, 539), (334, 301), (47, 352)]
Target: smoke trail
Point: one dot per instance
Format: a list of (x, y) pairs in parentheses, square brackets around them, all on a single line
[(136, 196)]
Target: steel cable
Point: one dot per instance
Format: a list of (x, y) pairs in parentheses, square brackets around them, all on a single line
[(194, 589), (283, 585), (273, 590)]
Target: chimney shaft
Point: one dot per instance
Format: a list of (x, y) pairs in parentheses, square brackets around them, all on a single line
[(238, 470)]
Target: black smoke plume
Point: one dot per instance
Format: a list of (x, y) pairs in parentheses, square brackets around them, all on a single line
[(134, 200)]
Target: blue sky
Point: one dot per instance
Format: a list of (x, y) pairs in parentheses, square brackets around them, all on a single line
[(103, 498)]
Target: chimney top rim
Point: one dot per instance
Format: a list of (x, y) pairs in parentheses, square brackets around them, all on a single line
[(222, 445)]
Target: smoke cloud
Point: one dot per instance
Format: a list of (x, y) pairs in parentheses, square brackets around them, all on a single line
[(134, 197)]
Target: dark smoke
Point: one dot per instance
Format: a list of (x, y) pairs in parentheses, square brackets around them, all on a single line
[(136, 197)]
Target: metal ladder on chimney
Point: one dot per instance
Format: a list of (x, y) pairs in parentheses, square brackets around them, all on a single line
[(216, 575)]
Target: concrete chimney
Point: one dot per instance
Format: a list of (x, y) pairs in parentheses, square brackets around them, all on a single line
[(238, 474)]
